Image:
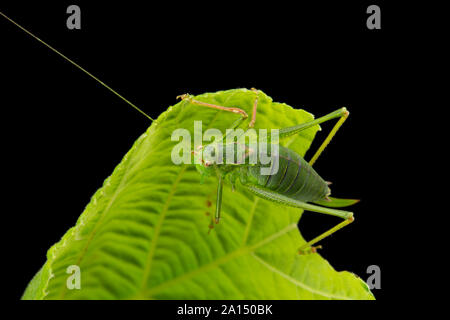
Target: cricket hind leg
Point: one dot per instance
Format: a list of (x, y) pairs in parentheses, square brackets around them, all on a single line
[(330, 136), (275, 197), (340, 113), (309, 245)]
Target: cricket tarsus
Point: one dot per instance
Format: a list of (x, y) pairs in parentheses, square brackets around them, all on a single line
[(76, 65), (302, 249)]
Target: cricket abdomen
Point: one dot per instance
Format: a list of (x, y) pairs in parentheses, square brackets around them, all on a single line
[(295, 178)]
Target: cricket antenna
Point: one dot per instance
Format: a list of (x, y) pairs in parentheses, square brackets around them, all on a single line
[(75, 64)]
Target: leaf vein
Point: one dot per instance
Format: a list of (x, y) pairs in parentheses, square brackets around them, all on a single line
[(295, 281), (234, 254), (158, 227)]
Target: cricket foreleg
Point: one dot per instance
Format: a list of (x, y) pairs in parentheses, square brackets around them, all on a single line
[(236, 124), (275, 197), (239, 111), (188, 98)]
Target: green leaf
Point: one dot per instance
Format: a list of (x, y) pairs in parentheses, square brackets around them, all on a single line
[(144, 234)]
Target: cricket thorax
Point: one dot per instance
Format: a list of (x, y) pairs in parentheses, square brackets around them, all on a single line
[(222, 154)]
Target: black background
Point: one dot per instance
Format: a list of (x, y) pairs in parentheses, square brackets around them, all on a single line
[(66, 133)]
